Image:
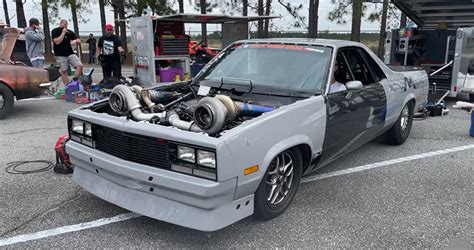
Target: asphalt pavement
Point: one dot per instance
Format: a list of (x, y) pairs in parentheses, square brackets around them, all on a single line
[(424, 202)]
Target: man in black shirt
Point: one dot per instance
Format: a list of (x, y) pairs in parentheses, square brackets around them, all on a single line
[(63, 40), (109, 50)]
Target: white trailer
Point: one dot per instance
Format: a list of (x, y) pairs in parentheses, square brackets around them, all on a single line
[(442, 43)]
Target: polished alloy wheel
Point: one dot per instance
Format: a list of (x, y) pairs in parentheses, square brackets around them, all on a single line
[(280, 179), (404, 117)]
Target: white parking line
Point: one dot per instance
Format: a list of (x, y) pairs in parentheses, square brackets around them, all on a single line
[(66, 229), (127, 216), (386, 163)]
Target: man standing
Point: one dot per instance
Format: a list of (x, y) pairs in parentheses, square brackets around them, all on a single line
[(92, 48), (63, 40), (109, 49), (34, 38)]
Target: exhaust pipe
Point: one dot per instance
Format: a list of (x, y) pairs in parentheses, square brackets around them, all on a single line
[(123, 100)]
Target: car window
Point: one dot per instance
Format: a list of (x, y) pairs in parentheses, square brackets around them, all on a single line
[(379, 74), (357, 65), (344, 74), (294, 67)]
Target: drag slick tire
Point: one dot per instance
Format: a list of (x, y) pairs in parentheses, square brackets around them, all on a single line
[(279, 184), (6, 101), (400, 131)]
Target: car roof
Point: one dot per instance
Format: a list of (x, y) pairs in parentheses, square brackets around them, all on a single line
[(306, 41)]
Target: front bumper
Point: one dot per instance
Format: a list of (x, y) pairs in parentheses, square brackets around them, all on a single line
[(158, 193)]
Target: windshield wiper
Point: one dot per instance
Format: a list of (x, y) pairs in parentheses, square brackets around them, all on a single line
[(277, 91)]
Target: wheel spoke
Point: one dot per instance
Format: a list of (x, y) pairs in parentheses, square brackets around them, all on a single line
[(272, 192), (275, 169), (289, 172), (275, 194), (282, 165), (287, 165)]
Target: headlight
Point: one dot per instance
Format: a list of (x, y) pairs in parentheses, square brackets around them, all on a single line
[(186, 154), (77, 127), (206, 158), (88, 129), (81, 132)]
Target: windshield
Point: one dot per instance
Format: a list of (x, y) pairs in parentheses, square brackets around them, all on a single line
[(293, 67)]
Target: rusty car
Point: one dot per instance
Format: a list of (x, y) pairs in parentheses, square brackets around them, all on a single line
[(18, 80)]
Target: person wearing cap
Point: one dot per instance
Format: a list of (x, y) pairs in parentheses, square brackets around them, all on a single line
[(109, 49), (34, 38), (63, 40)]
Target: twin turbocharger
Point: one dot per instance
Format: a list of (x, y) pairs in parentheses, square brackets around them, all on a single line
[(209, 116)]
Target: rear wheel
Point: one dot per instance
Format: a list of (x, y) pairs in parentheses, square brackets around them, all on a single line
[(6, 101), (471, 97), (279, 185), (400, 131)]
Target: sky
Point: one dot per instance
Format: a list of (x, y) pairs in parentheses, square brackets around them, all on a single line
[(33, 9)]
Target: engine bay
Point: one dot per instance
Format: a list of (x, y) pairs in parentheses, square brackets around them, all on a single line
[(197, 108)]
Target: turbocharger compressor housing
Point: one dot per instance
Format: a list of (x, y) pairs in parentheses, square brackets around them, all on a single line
[(210, 114), (118, 102)]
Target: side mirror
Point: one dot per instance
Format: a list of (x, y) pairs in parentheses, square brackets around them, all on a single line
[(354, 85)]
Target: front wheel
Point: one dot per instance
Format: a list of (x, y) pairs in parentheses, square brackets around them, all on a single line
[(279, 185), (400, 131), (6, 101)]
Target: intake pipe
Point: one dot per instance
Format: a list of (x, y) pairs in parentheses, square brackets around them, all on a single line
[(123, 100), (174, 120), (153, 97)]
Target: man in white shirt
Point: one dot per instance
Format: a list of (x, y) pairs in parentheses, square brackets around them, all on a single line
[(335, 85)]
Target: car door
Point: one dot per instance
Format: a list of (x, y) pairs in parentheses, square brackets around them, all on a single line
[(354, 116)]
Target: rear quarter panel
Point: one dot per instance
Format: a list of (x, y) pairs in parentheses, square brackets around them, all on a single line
[(24, 81)]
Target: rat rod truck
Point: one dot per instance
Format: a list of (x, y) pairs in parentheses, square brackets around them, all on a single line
[(236, 140), (18, 80)]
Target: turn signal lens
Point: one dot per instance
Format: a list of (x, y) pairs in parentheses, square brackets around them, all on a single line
[(251, 170)]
